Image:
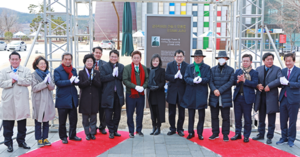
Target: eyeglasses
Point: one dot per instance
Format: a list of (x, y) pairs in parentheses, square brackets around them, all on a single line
[(115, 57), (179, 56)]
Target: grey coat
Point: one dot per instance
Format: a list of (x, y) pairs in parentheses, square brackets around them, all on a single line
[(273, 81)]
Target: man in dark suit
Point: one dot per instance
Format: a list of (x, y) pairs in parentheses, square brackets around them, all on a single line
[(176, 88), (246, 80), (267, 96), (97, 51), (111, 75), (289, 100), (65, 77)]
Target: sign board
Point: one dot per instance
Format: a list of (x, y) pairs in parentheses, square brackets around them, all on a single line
[(282, 38), (165, 34)]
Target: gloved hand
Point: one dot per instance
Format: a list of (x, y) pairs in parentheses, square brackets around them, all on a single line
[(179, 75), (138, 88), (49, 78), (116, 72), (14, 76), (76, 80), (72, 79), (199, 80), (46, 79), (153, 87), (196, 80), (284, 81)]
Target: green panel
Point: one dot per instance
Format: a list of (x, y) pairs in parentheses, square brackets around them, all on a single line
[(205, 24), (205, 42), (206, 13), (206, 4)]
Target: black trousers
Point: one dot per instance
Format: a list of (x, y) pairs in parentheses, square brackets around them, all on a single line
[(8, 127), (102, 118), (262, 118), (113, 115), (89, 123), (225, 113), (63, 114), (181, 116), (155, 116), (200, 124)]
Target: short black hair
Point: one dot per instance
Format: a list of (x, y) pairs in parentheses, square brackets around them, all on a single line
[(98, 47), (37, 60), (178, 52), (247, 55), (266, 55), (66, 54), (15, 53), (289, 55), (88, 56), (115, 52), (156, 56)]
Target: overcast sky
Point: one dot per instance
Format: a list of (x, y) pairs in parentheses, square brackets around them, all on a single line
[(22, 5)]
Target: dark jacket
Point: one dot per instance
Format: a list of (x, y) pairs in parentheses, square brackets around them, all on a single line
[(249, 86), (127, 78), (222, 81), (293, 89), (273, 81), (109, 82), (176, 87), (158, 94), (65, 90), (89, 93), (195, 96), (101, 63)]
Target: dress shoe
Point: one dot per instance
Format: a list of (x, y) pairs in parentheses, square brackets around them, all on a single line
[(103, 131), (200, 137), (10, 148), (180, 133), (171, 133), (117, 134), (236, 137), (153, 131), (64, 141), (225, 138), (111, 135), (258, 137), (75, 138), (24, 145), (191, 135), (93, 137), (140, 133), (88, 137), (213, 136), (281, 141), (269, 141), (157, 131), (291, 144), (131, 135), (246, 139)]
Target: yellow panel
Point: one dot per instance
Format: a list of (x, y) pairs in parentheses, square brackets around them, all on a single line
[(183, 13), (183, 4)]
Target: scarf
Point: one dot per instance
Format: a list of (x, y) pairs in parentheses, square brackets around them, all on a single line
[(197, 68), (41, 73), (89, 72), (151, 81), (246, 72), (134, 93), (68, 70)]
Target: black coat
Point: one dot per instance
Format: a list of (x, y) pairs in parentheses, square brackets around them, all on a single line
[(101, 62), (159, 94), (89, 93), (109, 82), (223, 82), (176, 87)]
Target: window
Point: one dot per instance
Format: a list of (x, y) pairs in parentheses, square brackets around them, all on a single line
[(195, 33), (195, 13), (195, 24)]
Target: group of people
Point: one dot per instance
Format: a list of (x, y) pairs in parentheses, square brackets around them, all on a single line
[(101, 91)]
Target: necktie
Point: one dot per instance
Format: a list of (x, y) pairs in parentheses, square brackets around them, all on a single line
[(287, 78), (115, 83), (96, 63), (15, 70), (267, 68), (178, 66), (137, 68)]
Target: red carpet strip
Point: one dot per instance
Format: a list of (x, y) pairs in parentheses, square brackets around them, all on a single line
[(237, 148), (84, 148)]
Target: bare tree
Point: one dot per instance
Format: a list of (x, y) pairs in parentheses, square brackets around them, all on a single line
[(286, 13), (9, 19)]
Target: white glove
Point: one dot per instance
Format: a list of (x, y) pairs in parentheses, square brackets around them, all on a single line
[(137, 88), (116, 72), (14, 76), (49, 78), (180, 75), (46, 79), (142, 89), (177, 74), (284, 81), (76, 80), (199, 80), (72, 79), (195, 80)]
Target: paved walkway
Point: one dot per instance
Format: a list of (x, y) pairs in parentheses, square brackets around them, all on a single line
[(147, 146)]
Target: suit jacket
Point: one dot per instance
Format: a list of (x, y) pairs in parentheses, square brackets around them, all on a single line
[(249, 86), (109, 82), (65, 90), (293, 89), (195, 96), (176, 87), (101, 63), (273, 81)]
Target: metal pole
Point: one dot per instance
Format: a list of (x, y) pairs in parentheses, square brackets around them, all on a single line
[(272, 42), (118, 43), (240, 31), (262, 27)]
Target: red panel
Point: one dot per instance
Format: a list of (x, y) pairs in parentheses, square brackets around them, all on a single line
[(218, 44), (219, 33), (219, 13), (218, 24)]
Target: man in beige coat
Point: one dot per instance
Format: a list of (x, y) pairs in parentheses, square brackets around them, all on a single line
[(15, 100)]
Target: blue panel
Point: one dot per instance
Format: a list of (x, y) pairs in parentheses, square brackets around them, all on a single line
[(195, 33), (172, 12), (172, 4), (195, 13), (194, 45), (195, 24)]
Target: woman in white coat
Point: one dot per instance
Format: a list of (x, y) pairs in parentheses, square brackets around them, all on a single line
[(42, 100)]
